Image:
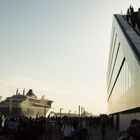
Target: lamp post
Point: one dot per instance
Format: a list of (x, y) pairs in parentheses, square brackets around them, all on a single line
[(0, 98), (61, 112), (10, 106), (75, 113), (69, 112), (79, 110)]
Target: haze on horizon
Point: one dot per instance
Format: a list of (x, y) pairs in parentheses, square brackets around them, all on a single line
[(58, 48)]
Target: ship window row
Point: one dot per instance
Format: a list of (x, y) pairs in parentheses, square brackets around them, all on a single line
[(123, 84), (38, 101), (33, 100)]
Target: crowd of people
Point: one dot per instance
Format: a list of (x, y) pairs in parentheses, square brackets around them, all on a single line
[(15, 128), (54, 128)]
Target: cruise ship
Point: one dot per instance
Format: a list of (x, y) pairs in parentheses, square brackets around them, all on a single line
[(25, 105)]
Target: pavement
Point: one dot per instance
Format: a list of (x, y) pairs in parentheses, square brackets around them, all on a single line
[(110, 134), (94, 134), (2, 138)]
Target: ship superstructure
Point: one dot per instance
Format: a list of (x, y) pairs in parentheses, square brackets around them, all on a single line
[(25, 104)]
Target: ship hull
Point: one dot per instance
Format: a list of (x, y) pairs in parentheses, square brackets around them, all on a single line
[(28, 112)]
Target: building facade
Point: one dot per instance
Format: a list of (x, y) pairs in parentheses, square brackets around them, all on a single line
[(123, 74)]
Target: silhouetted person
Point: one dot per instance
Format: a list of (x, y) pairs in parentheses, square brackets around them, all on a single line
[(103, 128), (132, 132), (131, 9)]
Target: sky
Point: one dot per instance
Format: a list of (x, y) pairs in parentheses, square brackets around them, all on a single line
[(58, 48)]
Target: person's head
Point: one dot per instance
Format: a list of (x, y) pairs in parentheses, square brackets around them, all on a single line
[(133, 131), (135, 122)]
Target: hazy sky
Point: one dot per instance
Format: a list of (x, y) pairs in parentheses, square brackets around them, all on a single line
[(58, 48)]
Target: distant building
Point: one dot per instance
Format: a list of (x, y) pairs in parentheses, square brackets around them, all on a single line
[(27, 105), (123, 74)]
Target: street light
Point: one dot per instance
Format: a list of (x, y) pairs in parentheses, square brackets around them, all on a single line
[(60, 111), (79, 110), (0, 98), (75, 113), (69, 112), (10, 106)]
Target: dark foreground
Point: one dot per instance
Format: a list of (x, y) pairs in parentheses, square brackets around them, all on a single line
[(51, 129), (94, 134)]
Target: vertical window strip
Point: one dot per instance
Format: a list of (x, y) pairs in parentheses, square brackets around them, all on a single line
[(113, 66), (112, 54), (117, 77), (112, 40)]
